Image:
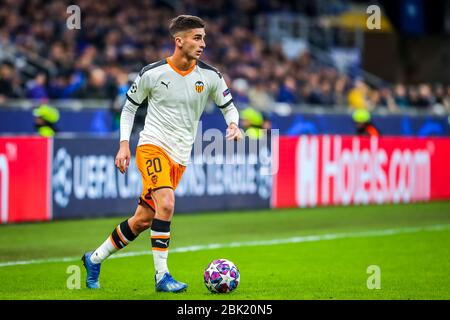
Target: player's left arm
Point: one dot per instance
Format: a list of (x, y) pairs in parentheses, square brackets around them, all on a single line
[(222, 97)]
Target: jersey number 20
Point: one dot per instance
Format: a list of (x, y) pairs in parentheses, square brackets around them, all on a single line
[(153, 165)]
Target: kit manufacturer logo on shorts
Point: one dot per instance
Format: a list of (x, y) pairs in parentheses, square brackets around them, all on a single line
[(199, 86)]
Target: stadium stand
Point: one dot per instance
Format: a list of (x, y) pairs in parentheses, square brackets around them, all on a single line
[(42, 59)]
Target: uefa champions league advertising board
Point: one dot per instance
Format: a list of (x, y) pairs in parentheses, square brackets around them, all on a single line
[(221, 176)]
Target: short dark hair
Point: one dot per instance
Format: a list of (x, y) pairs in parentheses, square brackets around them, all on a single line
[(185, 22)]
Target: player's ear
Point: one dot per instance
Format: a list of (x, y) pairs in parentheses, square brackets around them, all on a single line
[(179, 39)]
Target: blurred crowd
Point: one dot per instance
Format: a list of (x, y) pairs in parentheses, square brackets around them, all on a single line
[(118, 38)]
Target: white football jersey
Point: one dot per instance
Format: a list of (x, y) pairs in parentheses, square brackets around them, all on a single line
[(176, 100)]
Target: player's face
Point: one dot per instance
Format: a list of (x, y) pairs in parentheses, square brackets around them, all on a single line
[(193, 43)]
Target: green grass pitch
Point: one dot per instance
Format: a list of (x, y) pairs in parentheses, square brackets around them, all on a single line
[(320, 253)]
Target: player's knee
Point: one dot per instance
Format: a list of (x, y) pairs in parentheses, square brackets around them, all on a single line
[(167, 206)]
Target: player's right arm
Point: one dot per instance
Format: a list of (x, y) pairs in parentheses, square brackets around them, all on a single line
[(137, 93)]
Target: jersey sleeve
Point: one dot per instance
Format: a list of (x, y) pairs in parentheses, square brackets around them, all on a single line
[(222, 97), (136, 94), (139, 90), (220, 93)]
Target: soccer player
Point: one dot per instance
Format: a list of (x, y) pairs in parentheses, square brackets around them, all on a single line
[(177, 90)]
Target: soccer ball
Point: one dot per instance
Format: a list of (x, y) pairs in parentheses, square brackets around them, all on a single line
[(221, 276)]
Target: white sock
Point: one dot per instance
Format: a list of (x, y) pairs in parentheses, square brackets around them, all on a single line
[(104, 251), (160, 260), (160, 250)]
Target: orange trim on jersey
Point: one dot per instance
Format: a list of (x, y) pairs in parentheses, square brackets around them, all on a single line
[(181, 72), (160, 249)]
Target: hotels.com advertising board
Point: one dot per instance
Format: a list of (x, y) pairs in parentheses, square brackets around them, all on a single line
[(344, 170)]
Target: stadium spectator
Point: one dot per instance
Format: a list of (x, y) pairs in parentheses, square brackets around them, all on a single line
[(386, 99), (259, 96), (400, 97), (340, 87), (36, 88), (446, 99), (326, 96), (425, 99), (65, 84), (311, 94), (239, 88), (99, 86), (7, 88), (413, 96), (287, 91), (358, 95), (442, 102)]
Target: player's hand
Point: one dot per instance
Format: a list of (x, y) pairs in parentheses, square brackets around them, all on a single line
[(123, 157), (233, 132)]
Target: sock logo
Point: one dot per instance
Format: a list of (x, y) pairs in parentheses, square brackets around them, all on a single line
[(164, 243)]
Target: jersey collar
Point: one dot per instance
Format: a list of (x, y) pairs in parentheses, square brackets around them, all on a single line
[(180, 72)]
